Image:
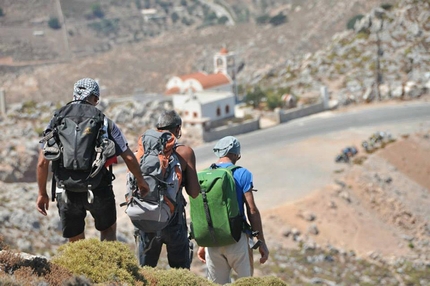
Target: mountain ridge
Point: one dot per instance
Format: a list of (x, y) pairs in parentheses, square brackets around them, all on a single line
[(147, 64)]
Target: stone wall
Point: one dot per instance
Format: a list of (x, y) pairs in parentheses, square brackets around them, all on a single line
[(233, 129), (287, 115)]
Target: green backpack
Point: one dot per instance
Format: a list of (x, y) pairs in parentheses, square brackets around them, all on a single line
[(215, 214)]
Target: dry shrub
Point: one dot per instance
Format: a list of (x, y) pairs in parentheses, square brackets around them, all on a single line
[(77, 280), (263, 281), (27, 271), (26, 276), (7, 280), (100, 261), (359, 160), (173, 277), (9, 261), (57, 275), (3, 245)]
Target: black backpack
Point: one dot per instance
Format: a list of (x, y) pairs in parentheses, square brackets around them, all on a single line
[(78, 146)]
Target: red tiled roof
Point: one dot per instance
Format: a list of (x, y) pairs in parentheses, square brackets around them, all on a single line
[(215, 79), (223, 51), (172, 90), (196, 76), (206, 80)]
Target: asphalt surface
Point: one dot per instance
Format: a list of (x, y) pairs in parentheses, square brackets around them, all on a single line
[(293, 159)]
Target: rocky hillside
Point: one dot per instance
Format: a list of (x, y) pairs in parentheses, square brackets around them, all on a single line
[(381, 192), (45, 67), (329, 237), (386, 55)]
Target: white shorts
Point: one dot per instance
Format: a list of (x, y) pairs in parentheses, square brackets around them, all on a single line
[(221, 260)]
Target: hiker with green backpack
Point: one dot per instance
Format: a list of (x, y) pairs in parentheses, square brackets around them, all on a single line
[(218, 221), (81, 143)]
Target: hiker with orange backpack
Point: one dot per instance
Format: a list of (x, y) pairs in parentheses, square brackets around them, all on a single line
[(159, 218), (80, 142)]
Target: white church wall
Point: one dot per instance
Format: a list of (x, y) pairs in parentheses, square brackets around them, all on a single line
[(191, 83), (174, 82)]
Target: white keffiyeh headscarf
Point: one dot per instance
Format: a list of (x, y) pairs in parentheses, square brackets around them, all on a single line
[(84, 88)]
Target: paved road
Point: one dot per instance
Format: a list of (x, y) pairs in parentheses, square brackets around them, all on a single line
[(291, 160), (219, 10)]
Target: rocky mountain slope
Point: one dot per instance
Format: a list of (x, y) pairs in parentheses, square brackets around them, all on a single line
[(147, 64), (370, 225), (387, 191), (385, 56)]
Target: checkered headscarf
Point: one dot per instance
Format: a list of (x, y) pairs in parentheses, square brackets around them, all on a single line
[(84, 88)]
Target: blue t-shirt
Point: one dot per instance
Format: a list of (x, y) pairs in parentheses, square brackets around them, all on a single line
[(243, 180)]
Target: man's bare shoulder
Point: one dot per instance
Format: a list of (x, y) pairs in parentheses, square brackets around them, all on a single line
[(184, 151)]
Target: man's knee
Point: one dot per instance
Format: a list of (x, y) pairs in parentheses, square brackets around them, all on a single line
[(77, 237), (108, 234)]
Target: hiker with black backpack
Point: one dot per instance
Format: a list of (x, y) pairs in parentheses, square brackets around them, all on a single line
[(81, 143), (218, 221), (159, 218)]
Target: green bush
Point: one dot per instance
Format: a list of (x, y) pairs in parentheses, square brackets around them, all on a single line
[(262, 281), (222, 20), (97, 11), (387, 6), (100, 261), (173, 277), (174, 17), (278, 19), (54, 23), (210, 17), (255, 96), (242, 13), (1, 12), (187, 22), (105, 26), (351, 23), (263, 19), (274, 100)]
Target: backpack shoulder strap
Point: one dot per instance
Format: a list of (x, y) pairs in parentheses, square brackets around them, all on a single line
[(233, 167), (230, 168)]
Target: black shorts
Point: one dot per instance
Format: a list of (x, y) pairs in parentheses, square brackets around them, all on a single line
[(175, 237), (73, 213)]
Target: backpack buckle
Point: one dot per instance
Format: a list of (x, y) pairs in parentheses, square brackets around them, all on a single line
[(90, 195), (51, 150), (104, 151)]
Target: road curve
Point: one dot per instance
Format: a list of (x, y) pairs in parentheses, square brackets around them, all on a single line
[(291, 160)]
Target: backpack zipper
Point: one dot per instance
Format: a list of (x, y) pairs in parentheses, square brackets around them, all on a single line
[(75, 162)]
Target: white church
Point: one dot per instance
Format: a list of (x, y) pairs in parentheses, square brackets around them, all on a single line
[(203, 99)]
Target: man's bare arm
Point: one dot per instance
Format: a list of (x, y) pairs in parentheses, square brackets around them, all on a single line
[(255, 220), (42, 170), (132, 164), (190, 174)]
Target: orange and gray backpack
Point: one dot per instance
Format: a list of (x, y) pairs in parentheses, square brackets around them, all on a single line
[(161, 169)]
